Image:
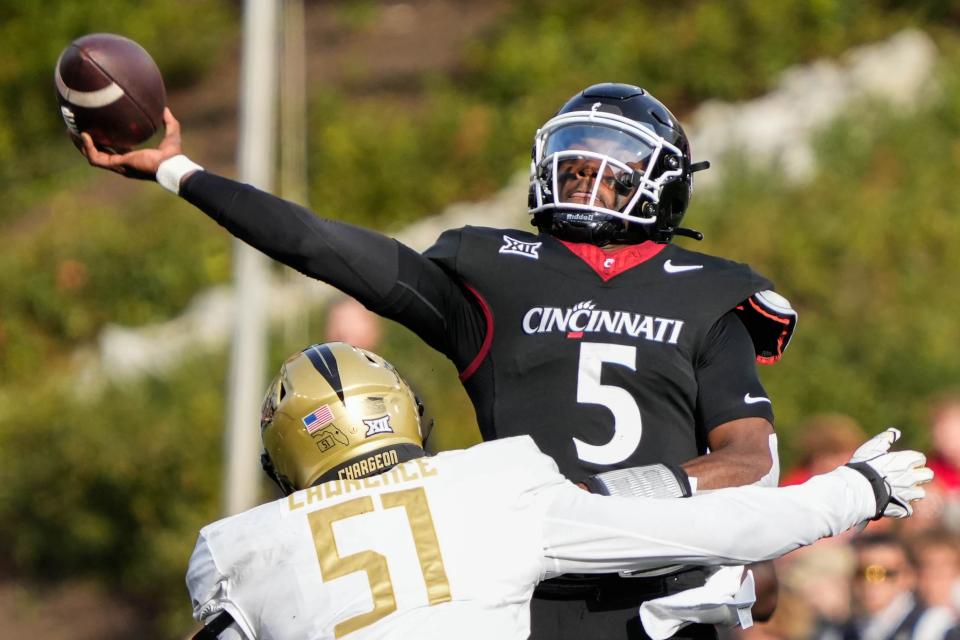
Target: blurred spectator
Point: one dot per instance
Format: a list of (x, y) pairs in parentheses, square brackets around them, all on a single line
[(937, 556), (943, 499), (814, 600), (826, 442), (791, 621), (884, 605), (944, 458), (349, 321), (821, 578)]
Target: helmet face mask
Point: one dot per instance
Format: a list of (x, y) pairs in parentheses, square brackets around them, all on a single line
[(337, 411), (630, 140)]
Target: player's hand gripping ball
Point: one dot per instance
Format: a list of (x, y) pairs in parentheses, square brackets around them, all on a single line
[(110, 87)]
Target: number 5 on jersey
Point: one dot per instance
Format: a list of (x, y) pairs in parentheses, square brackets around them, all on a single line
[(627, 427)]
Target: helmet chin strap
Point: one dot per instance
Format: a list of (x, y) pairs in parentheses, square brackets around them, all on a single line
[(282, 481), (605, 232), (688, 233), (600, 233), (596, 232)]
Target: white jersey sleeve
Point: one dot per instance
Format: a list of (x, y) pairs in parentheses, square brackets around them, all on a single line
[(586, 533), (209, 589)]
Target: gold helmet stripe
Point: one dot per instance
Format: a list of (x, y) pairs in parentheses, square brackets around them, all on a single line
[(326, 365)]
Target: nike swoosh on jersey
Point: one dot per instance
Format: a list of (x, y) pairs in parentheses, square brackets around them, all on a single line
[(669, 267), (749, 399)]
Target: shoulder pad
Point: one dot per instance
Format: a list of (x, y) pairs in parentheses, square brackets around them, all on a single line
[(446, 246), (455, 243), (770, 320)]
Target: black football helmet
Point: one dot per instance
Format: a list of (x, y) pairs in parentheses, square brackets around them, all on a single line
[(627, 137)]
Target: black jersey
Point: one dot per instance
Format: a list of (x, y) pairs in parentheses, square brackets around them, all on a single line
[(602, 372)]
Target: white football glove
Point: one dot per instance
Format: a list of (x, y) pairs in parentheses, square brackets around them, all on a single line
[(895, 476)]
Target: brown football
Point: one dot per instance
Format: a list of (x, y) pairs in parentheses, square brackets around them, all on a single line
[(110, 87)]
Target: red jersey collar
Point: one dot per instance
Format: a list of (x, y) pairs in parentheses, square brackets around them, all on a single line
[(611, 264)]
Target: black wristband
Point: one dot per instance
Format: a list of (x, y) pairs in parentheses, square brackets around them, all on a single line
[(683, 478), (881, 490), (213, 629), (595, 485)]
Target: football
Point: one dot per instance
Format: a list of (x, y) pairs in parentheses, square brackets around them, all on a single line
[(110, 87)]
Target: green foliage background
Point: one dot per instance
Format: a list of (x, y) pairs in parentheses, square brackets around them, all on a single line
[(115, 484)]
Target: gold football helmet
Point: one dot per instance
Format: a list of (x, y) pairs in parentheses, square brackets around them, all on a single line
[(336, 411)]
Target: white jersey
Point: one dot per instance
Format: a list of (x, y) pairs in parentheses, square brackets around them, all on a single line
[(452, 546)]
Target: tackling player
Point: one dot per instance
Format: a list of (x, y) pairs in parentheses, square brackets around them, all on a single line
[(609, 346), (374, 540)]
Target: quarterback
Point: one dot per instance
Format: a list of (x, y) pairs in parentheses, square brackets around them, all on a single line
[(593, 334), (452, 546)]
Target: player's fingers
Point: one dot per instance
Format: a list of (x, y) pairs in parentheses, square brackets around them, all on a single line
[(912, 495), (87, 148), (97, 158), (913, 474), (94, 156), (907, 459), (924, 475), (170, 145), (171, 124)]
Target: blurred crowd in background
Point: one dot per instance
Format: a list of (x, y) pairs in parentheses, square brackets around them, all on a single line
[(896, 579)]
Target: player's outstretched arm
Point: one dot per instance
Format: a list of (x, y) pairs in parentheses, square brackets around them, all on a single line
[(367, 265), (594, 534)]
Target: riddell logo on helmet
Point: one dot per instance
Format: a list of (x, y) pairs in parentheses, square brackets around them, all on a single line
[(584, 317)]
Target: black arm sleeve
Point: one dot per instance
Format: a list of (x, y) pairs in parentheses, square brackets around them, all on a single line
[(728, 385), (383, 274)]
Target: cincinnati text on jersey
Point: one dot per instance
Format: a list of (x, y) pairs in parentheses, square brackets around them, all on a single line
[(584, 317)]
